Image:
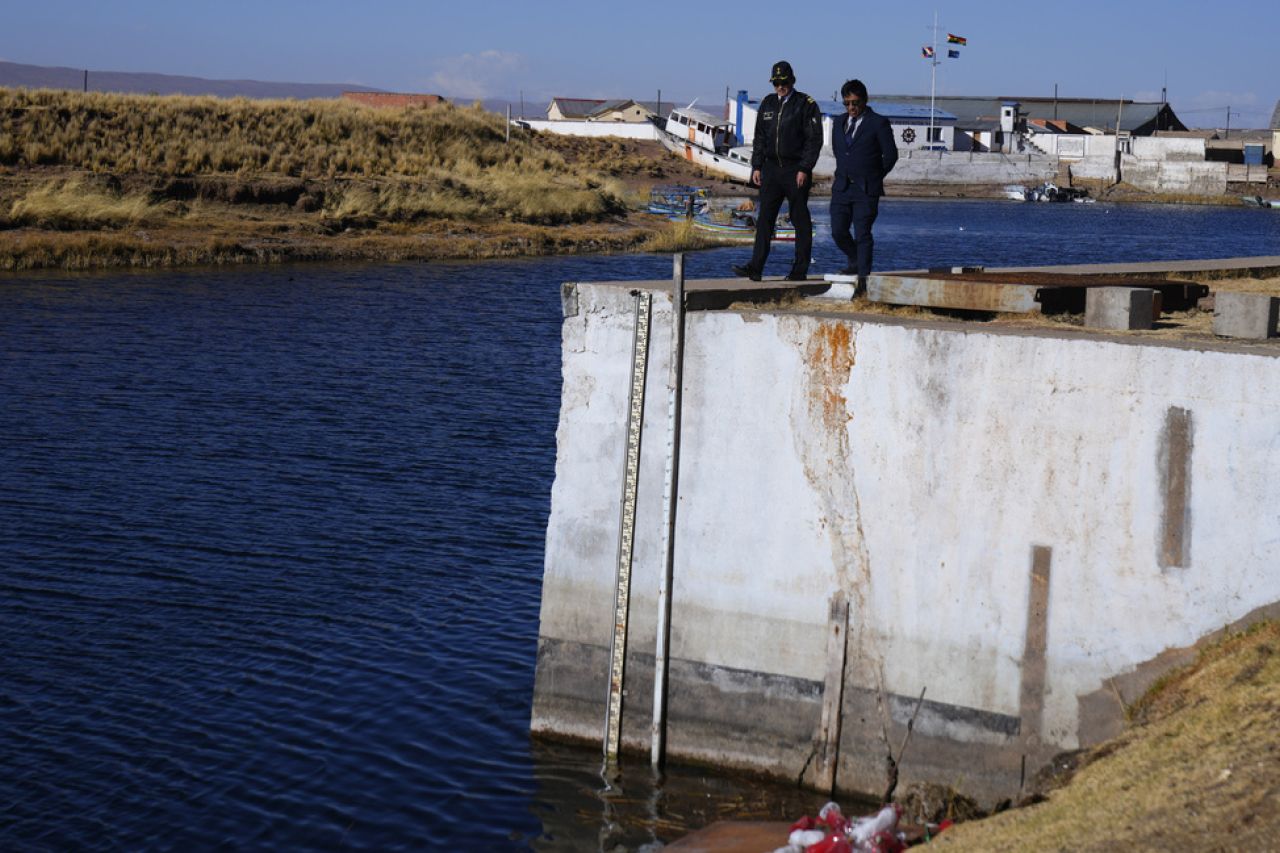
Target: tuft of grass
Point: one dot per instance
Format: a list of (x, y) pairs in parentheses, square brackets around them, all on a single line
[(74, 203), (679, 235)]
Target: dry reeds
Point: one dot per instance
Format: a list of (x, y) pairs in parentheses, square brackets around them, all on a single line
[(74, 203), (680, 236), (446, 161)]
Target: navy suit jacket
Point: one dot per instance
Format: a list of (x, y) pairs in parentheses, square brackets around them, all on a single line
[(861, 167)]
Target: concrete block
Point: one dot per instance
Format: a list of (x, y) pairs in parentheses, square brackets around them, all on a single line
[(1245, 315), (1120, 308), (842, 287)]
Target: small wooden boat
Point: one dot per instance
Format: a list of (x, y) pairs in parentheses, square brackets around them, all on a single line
[(678, 200), (742, 228)]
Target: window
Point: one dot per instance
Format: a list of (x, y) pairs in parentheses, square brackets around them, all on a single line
[(935, 134)]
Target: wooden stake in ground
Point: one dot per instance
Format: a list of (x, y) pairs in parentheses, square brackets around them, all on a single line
[(891, 765)]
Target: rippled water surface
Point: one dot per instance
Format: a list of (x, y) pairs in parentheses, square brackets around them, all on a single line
[(271, 542)]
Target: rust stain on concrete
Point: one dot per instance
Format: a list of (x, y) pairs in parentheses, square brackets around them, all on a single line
[(830, 358), (820, 418)]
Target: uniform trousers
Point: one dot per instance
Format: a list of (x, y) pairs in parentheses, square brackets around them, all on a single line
[(778, 183)]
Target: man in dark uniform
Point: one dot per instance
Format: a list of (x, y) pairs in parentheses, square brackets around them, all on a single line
[(784, 151), (865, 152)]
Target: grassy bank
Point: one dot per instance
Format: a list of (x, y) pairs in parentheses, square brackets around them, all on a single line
[(105, 180), (1198, 768)]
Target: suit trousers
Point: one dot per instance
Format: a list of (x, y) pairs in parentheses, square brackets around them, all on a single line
[(778, 183), (860, 211)]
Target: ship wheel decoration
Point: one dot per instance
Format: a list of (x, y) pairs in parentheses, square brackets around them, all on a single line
[(909, 135)]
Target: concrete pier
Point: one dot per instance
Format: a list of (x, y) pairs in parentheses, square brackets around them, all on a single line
[(1030, 524)]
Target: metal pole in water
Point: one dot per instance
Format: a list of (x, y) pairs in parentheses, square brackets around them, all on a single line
[(627, 526), (670, 502)]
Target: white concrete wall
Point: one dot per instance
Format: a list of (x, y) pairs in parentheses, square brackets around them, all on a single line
[(919, 132), (623, 129), (1072, 146), (1169, 148), (1102, 168), (914, 468), (971, 167), (1176, 176)]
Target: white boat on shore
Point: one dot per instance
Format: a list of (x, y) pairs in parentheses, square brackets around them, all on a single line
[(701, 138), (1047, 191)]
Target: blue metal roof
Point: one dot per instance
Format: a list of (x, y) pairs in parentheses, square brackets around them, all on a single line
[(888, 109), (891, 111)]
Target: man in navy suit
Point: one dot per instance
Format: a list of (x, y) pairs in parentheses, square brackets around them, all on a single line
[(865, 152)]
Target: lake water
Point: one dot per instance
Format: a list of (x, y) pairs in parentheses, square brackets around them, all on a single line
[(271, 542)]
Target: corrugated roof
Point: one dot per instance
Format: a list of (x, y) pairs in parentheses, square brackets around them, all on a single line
[(590, 107), (702, 116), (610, 106), (891, 110), (579, 107), (1141, 116)]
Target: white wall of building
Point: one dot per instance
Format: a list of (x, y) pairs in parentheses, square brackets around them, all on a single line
[(1077, 146), (623, 129), (916, 133)]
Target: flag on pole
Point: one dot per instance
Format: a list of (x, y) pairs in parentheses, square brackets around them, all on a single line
[(952, 38), (926, 52), (953, 54)]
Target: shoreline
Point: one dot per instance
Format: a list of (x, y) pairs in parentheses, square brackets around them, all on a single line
[(269, 237)]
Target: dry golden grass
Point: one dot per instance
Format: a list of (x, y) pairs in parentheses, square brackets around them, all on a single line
[(106, 180), (69, 203), (680, 236), (453, 162), (1199, 769)]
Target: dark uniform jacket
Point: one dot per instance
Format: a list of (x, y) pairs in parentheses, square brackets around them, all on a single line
[(861, 167), (789, 135)]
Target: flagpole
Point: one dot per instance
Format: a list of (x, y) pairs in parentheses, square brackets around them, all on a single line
[(933, 77)]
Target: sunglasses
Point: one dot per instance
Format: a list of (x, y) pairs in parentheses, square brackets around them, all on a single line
[(853, 102)]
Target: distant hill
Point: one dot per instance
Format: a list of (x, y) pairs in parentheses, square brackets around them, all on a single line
[(41, 77)]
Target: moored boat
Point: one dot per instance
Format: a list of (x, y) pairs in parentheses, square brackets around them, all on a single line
[(678, 200), (701, 138), (1047, 191), (743, 228)]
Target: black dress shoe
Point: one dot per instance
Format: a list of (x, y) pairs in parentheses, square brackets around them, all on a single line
[(797, 276), (745, 272), (848, 271)]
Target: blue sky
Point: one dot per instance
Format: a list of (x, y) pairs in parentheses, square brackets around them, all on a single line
[(1210, 58)]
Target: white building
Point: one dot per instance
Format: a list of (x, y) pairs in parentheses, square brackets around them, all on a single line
[(912, 129)]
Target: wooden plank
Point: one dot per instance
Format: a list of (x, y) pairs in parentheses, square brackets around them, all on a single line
[(943, 293), (832, 693)]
